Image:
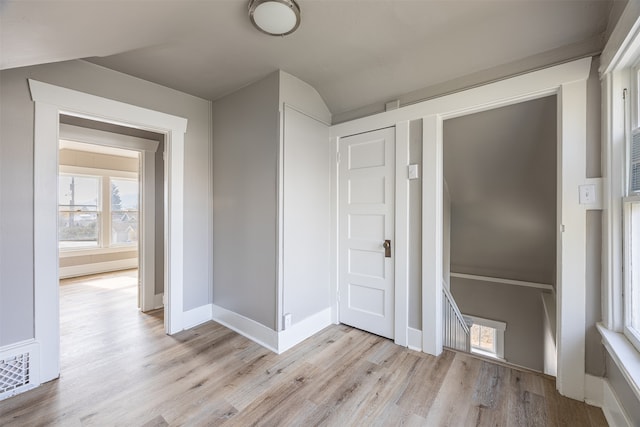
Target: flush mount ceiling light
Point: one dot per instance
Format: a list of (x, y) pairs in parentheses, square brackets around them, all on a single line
[(275, 17)]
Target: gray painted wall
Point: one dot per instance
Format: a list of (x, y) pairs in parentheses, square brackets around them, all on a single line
[(518, 306), (415, 227), (245, 184), (594, 351), (500, 167), (16, 179), (248, 147), (446, 234)]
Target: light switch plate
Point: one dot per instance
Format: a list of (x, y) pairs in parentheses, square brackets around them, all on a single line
[(587, 194), (413, 172)]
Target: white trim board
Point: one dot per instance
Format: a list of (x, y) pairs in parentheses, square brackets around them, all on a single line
[(414, 339), (98, 267), (50, 102), (304, 329), (158, 301), (278, 342), (594, 390), (598, 392), (624, 355), (246, 327), (197, 316), (613, 410), (544, 286)]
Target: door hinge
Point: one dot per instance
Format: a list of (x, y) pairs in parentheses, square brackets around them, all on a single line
[(624, 93)]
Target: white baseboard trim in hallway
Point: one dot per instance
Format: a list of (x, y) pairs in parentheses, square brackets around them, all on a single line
[(414, 339), (97, 268), (304, 329), (246, 327), (197, 316), (278, 342)]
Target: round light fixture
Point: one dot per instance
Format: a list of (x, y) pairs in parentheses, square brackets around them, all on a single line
[(275, 17)]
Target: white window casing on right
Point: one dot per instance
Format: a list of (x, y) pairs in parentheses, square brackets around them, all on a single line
[(620, 328), (631, 295)]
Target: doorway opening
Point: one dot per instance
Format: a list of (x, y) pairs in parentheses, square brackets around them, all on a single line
[(500, 227), (110, 204), (50, 102), (110, 227)]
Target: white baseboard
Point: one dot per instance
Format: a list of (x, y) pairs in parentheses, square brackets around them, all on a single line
[(304, 329), (158, 301), (594, 390), (249, 328), (612, 408), (97, 267), (20, 367), (414, 339), (197, 316)]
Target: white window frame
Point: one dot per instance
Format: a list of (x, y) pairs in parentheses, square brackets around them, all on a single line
[(499, 328), (105, 245), (111, 244), (618, 73), (99, 212), (631, 274)]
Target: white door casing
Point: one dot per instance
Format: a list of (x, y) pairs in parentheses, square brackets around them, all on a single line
[(50, 102), (366, 221)]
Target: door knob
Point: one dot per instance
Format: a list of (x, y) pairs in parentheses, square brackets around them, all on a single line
[(387, 248)]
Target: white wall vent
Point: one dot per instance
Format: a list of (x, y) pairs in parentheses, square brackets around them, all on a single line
[(634, 162), (19, 368)]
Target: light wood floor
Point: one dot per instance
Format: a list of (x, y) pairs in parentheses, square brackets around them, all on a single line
[(119, 368)]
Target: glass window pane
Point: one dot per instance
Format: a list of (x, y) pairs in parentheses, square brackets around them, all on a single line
[(124, 228), (474, 332), (124, 211), (124, 195), (78, 229), (487, 338), (483, 338), (79, 193), (78, 211)]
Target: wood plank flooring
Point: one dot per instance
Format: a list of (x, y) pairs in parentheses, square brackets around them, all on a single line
[(119, 368)]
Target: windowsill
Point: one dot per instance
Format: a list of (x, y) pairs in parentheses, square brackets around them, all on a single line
[(69, 253), (625, 356)]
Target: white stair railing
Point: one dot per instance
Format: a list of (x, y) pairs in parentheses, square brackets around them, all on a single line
[(455, 329)]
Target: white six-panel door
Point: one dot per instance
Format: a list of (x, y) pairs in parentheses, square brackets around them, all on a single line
[(366, 221)]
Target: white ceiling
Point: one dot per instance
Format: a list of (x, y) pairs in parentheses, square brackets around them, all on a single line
[(354, 52)]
